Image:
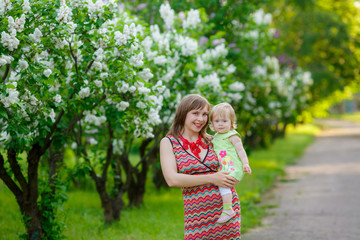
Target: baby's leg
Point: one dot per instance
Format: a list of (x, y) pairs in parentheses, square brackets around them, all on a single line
[(228, 211)]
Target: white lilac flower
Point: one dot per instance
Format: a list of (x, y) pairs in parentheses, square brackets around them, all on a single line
[(92, 141), (250, 98), (211, 80), (272, 63), (213, 54), (98, 55), (35, 37), (120, 39), (9, 40), (155, 33), (164, 44), (145, 74), (97, 65), (132, 30), (189, 47), (154, 116), (5, 60), (237, 86), (57, 98), (118, 146), (47, 72), (23, 64), (141, 105), (132, 89), (259, 71), (151, 55), (261, 18), (201, 65), (160, 60), (124, 87), (74, 145), (168, 77), (12, 97), (253, 34), (5, 5), (97, 7), (71, 27), (307, 79), (104, 75), (167, 93), (137, 60), (236, 97), (91, 118), (18, 24), (64, 13), (84, 92), (167, 14), (147, 44), (192, 20), (231, 69), (4, 136), (26, 6), (98, 83), (122, 105), (52, 115), (144, 90)]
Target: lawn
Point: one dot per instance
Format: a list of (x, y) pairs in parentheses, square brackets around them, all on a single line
[(161, 217)]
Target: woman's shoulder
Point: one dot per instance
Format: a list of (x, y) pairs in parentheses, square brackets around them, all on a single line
[(168, 139)]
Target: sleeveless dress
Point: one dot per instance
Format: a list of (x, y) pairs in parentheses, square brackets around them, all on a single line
[(227, 155), (203, 204)]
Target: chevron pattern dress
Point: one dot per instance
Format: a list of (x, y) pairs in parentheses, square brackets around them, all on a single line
[(203, 204)]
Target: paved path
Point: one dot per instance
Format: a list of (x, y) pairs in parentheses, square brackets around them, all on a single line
[(323, 201)]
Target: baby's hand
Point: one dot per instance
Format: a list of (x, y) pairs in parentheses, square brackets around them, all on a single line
[(246, 168)]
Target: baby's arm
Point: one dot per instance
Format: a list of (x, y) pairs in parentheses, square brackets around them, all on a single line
[(236, 142)]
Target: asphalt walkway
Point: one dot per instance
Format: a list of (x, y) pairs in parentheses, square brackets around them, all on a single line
[(321, 199)]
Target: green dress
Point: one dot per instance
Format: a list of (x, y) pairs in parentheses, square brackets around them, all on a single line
[(227, 155)]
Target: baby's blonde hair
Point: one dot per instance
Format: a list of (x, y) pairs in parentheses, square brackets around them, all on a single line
[(223, 110)]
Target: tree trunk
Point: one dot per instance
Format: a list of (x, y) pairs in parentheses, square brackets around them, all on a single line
[(111, 206)]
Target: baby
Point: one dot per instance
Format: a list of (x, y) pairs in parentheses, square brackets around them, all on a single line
[(231, 154)]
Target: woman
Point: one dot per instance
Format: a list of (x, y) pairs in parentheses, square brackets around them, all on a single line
[(188, 161)]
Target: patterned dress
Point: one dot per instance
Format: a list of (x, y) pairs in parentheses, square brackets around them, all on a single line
[(203, 204), (227, 155)]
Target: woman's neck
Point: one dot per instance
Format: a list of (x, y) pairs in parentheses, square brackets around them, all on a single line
[(190, 135)]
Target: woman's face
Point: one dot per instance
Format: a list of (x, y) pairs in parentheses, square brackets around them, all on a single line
[(196, 119)]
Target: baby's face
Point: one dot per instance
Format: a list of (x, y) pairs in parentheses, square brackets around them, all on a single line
[(221, 124)]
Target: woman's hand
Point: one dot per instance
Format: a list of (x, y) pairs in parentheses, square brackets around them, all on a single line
[(222, 179)]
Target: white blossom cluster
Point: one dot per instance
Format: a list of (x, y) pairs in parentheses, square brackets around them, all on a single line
[(260, 18), (211, 80), (12, 97), (5, 60), (167, 14), (192, 20)]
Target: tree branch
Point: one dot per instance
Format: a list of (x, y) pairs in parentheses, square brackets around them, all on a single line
[(6, 72), (8, 180), (109, 153), (74, 57), (16, 168)]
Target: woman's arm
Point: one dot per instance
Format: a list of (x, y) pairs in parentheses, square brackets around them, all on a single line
[(175, 179), (236, 141)]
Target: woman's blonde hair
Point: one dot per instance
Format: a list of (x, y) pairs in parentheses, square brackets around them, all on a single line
[(187, 104), (223, 110)]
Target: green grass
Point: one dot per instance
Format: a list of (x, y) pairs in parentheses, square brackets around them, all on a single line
[(161, 217), (353, 117)]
